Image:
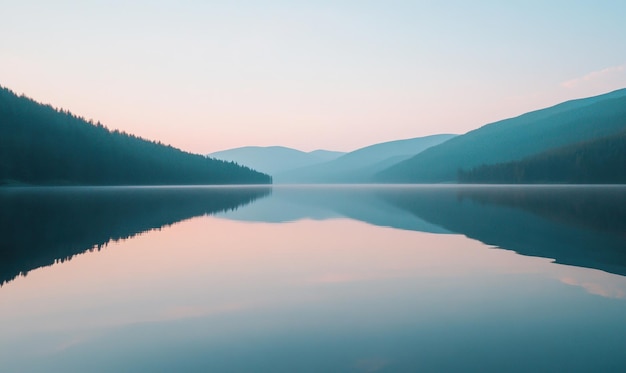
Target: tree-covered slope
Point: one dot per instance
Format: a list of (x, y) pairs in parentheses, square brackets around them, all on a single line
[(359, 166), (43, 145), (599, 161), (515, 138)]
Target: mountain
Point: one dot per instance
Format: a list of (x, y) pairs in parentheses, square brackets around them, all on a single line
[(515, 138), (43, 145), (599, 161), (360, 165), (326, 155), (274, 159)]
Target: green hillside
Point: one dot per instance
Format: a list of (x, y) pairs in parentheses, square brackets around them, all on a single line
[(514, 139), (599, 161), (43, 145)]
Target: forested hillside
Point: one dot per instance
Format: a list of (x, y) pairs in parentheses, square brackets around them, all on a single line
[(600, 161), (43, 145), (515, 138)]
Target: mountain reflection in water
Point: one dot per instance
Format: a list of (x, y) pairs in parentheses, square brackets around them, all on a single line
[(40, 226), (575, 225), (313, 279)]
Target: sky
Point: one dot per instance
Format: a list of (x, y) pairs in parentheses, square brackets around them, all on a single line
[(338, 75)]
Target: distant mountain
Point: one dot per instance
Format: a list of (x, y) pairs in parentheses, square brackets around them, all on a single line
[(43, 145), (326, 155), (360, 165), (599, 161), (274, 159), (514, 139)]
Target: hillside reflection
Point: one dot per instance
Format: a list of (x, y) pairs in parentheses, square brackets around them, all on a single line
[(574, 225), (40, 226), (580, 226)]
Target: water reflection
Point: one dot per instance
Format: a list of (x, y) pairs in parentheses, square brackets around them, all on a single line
[(577, 225), (39, 226), (363, 203), (321, 292), (581, 226)]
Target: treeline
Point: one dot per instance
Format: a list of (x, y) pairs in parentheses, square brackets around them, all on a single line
[(43, 145), (600, 161), (514, 139)]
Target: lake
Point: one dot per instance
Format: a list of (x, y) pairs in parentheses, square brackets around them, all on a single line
[(313, 279)]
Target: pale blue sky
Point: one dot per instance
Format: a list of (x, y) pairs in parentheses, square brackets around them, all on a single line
[(209, 75)]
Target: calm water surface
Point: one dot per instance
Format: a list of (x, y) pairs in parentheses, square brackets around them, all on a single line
[(313, 279)]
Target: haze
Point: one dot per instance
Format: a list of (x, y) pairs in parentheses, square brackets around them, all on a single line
[(206, 76)]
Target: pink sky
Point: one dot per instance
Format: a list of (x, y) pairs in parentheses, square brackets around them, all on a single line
[(321, 75)]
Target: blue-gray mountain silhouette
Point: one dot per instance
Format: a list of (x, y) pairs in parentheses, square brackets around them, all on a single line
[(515, 138), (274, 159), (359, 166)]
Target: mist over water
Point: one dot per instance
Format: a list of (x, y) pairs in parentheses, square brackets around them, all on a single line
[(324, 278)]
